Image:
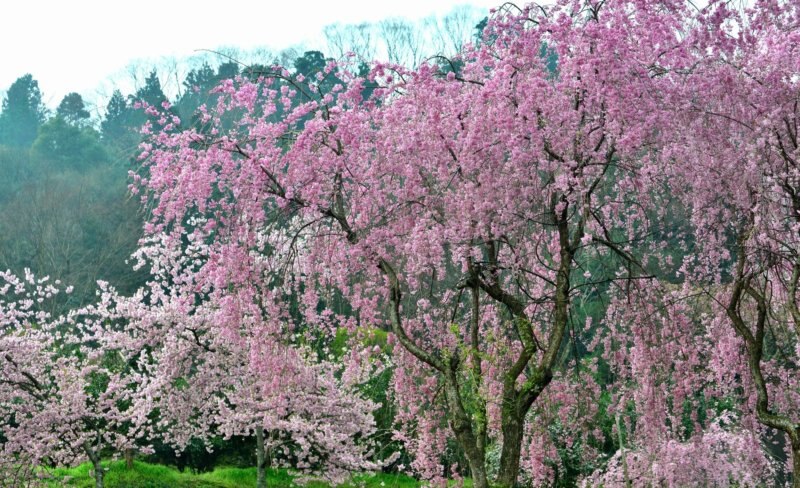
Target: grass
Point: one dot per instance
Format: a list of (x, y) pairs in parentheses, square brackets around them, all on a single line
[(144, 475)]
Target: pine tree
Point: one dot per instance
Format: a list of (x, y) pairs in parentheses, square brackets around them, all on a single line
[(72, 110), (22, 114)]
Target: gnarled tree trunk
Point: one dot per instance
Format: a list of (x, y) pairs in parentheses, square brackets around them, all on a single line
[(461, 425), (511, 448), (753, 333)]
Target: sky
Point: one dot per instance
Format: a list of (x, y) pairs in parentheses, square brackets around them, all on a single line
[(88, 45)]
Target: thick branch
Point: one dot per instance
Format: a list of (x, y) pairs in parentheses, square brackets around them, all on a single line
[(477, 372), (395, 297)]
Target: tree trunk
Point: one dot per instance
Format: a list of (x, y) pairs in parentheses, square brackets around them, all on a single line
[(476, 459), (129, 458), (261, 460), (461, 425), (754, 339), (795, 464), (96, 465), (512, 426), (98, 475)]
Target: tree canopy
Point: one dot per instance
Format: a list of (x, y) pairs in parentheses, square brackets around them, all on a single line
[(22, 113)]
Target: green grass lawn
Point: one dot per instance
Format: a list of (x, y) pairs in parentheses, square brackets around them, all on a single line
[(143, 475)]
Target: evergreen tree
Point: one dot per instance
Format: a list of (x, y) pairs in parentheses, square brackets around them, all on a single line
[(311, 63), (72, 110), (227, 70), (201, 79), (151, 93), (119, 128), (116, 122), (68, 146), (197, 85), (22, 114)]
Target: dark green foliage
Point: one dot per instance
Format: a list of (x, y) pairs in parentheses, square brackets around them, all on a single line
[(311, 66), (550, 57), (201, 79), (227, 70), (197, 87), (123, 120), (311, 63), (236, 451), (120, 128), (151, 93), (479, 27), (570, 466), (72, 110), (117, 128), (22, 114), (66, 145)]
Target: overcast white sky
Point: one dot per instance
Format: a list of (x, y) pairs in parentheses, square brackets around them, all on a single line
[(74, 45)]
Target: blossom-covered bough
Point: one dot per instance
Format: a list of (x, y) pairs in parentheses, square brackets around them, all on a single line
[(62, 399), (734, 163), (671, 395), (215, 363), (461, 208)]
